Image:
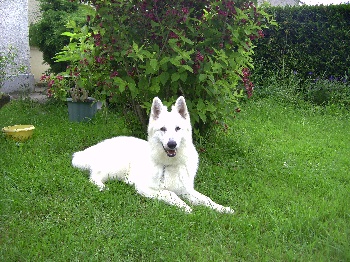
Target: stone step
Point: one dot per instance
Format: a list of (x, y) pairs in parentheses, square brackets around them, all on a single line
[(38, 97)]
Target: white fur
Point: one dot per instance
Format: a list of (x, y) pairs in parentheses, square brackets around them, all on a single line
[(163, 168)]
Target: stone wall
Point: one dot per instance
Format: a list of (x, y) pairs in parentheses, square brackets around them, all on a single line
[(14, 32)]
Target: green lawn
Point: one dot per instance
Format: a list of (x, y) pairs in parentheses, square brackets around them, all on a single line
[(285, 170)]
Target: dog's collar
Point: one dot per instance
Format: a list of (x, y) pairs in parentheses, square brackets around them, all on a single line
[(162, 177)]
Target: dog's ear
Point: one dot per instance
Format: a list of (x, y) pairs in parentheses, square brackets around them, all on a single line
[(181, 107), (156, 108)]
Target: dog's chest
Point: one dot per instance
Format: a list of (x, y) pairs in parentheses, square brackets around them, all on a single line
[(172, 177)]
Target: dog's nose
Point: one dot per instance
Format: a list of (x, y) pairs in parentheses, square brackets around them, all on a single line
[(172, 144)]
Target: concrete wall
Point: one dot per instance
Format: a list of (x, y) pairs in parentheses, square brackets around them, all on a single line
[(33, 11), (37, 63), (14, 32)]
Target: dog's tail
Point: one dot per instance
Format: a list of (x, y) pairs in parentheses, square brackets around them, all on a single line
[(80, 160)]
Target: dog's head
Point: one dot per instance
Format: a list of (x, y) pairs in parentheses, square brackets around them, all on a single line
[(169, 129)]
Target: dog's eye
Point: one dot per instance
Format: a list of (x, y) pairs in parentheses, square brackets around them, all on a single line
[(163, 129), (177, 128)]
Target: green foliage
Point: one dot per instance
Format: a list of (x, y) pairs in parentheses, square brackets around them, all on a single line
[(46, 34), (8, 65), (329, 91), (200, 49), (73, 82), (7, 59), (58, 86), (309, 39), (80, 54), (289, 86), (61, 87), (282, 85), (79, 94)]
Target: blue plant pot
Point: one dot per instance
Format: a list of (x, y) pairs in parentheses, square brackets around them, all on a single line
[(81, 111)]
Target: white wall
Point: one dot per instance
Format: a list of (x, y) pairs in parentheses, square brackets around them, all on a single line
[(37, 63), (14, 32)]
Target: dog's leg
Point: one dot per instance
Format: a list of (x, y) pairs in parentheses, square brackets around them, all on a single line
[(197, 198), (95, 178), (165, 195)]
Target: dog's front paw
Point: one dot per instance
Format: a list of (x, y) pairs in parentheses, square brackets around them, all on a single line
[(99, 184), (227, 210), (187, 209)]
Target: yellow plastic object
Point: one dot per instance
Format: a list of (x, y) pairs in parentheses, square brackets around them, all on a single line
[(19, 132)]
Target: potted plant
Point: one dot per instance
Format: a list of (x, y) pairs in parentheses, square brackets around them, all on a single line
[(81, 107), (76, 83)]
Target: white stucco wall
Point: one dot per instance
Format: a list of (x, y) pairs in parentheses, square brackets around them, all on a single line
[(14, 32)]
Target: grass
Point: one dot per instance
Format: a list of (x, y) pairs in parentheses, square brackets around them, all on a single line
[(284, 169)]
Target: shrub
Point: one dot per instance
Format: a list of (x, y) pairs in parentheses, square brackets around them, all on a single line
[(199, 49), (80, 53), (291, 87), (283, 84), (46, 33), (329, 91), (309, 39)]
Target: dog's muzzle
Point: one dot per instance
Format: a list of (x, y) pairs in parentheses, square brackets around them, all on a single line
[(171, 148)]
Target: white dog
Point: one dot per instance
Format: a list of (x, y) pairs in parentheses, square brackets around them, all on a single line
[(163, 168)]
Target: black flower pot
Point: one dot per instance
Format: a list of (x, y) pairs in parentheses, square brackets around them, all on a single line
[(4, 99)]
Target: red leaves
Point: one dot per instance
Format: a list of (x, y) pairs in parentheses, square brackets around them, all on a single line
[(249, 86)]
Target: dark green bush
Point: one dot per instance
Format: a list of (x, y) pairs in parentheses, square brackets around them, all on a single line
[(309, 39), (329, 91), (46, 33), (288, 86)]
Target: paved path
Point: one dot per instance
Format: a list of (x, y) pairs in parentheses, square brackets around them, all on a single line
[(38, 95)]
